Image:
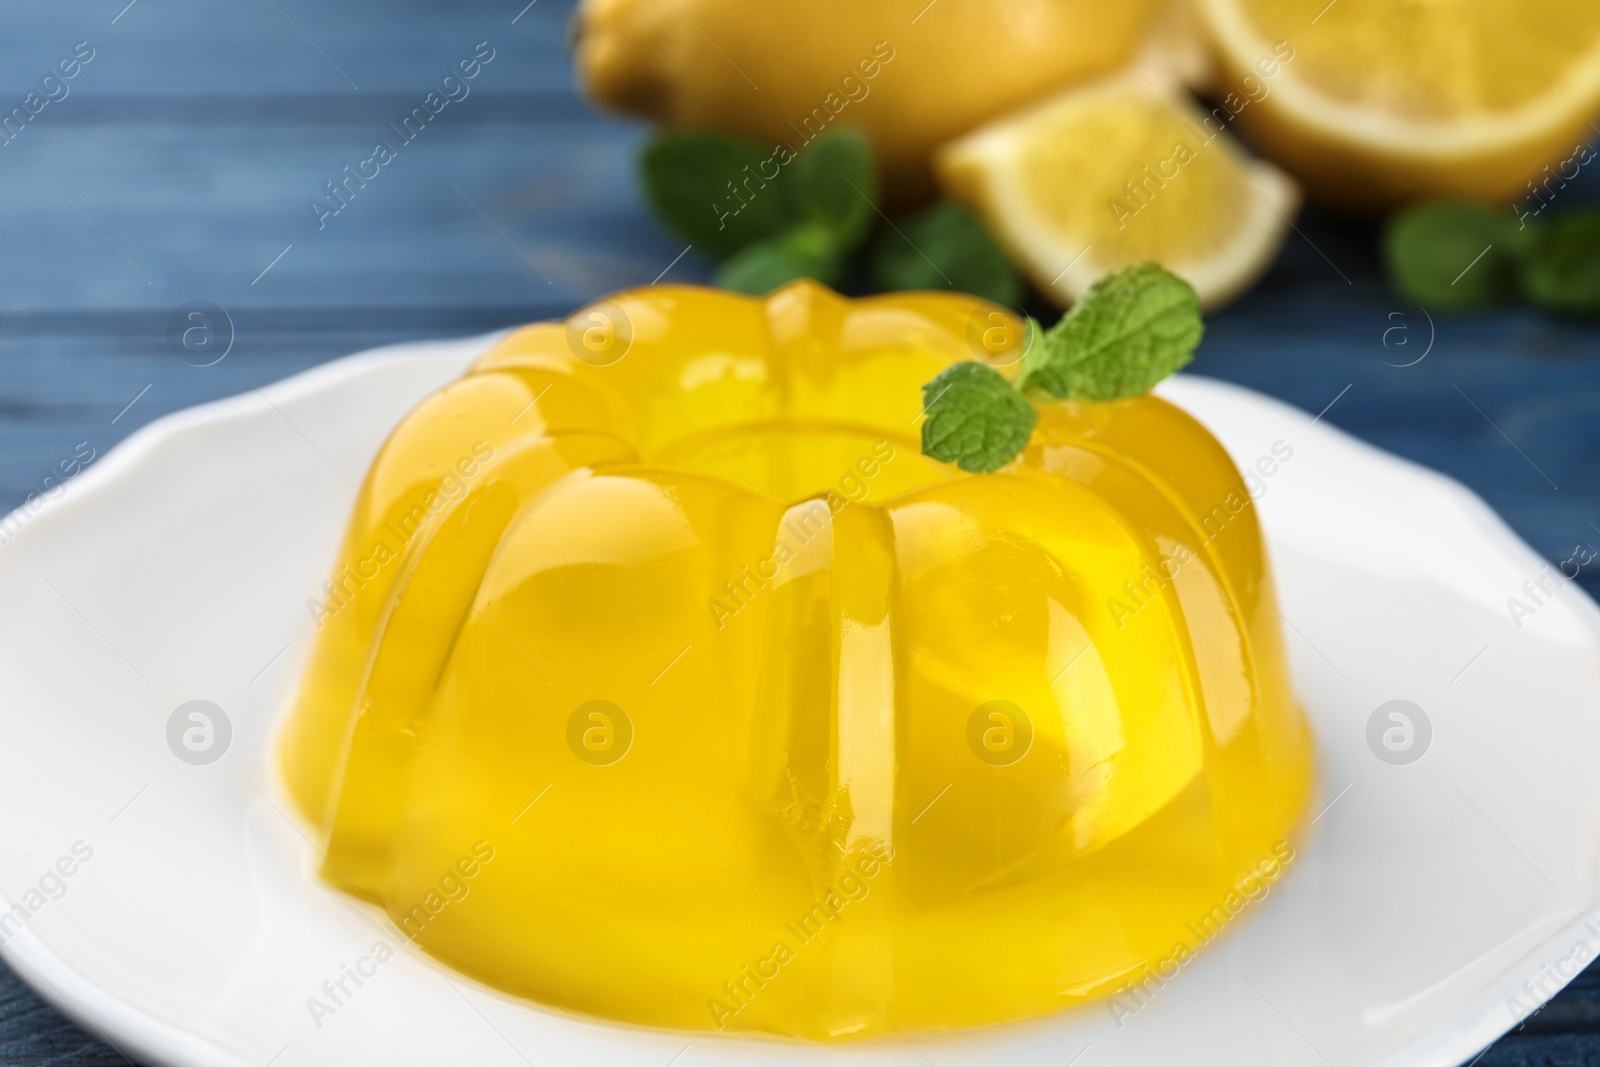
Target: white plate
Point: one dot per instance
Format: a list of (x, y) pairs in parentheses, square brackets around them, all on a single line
[(1431, 904)]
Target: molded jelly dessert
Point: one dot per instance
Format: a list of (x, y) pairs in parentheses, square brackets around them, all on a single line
[(672, 684)]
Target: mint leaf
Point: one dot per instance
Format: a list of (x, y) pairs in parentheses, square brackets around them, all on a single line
[(945, 247), (1563, 272), (808, 251), (708, 189), (834, 183), (976, 420), (1132, 329), (1454, 255)]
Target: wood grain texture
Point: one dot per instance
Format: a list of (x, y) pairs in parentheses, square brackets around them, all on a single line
[(184, 160)]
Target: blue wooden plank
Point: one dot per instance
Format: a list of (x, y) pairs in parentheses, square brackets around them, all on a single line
[(256, 48), (513, 211)]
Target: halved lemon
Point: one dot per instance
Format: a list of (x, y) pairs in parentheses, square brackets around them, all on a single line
[(1375, 102), (1126, 170)]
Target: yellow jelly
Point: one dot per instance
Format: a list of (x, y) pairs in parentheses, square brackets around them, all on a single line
[(662, 678)]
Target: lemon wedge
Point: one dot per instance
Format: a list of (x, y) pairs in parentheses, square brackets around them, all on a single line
[(1125, 170), (1383, 101)]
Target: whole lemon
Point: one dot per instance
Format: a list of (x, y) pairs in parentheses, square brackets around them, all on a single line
[(910, 74)]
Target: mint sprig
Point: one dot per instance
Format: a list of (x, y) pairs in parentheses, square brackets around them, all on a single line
[(1455, 255), (1131, 330), (1463, 256), (770, 215)]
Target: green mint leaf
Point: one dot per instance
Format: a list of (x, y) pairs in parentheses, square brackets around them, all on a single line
[(945, 247), (1562, 273), (1132, 329), (708, 189), (808, 251), (1455, 255), (833, 183), (976, 419)]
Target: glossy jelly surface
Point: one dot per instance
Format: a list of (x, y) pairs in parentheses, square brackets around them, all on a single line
[(661, 678)]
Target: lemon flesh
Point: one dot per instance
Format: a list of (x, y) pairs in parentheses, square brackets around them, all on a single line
[(1389, 100), (1432, 60)]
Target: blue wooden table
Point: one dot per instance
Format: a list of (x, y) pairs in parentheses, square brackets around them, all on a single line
[(180, 162)]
